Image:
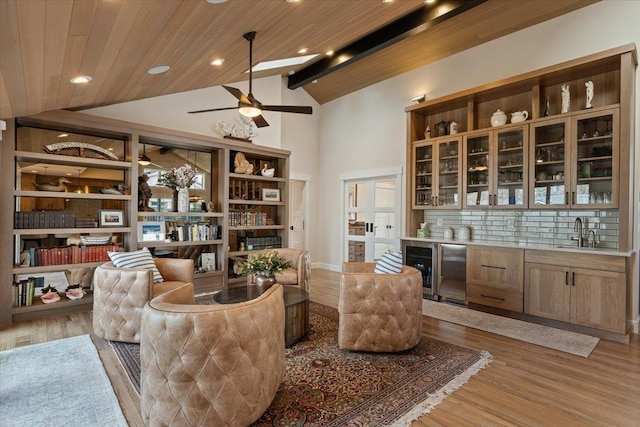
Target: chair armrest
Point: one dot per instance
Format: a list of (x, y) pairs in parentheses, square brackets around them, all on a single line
[(175, 269)]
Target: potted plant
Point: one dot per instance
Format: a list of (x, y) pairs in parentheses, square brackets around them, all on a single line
[(264, 265)]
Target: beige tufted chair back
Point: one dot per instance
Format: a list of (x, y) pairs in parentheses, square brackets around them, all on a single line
[(300, 272), (210, 365), (379, 312), (119, 295)]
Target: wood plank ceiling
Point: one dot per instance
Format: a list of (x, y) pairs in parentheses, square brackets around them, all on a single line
[(44, 43)]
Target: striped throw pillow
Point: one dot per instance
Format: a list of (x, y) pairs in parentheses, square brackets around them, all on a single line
[(141, 259), (390, 263)]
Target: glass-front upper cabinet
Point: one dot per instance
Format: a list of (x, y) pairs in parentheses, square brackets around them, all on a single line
[(438, 173), (574, 161), (550, 165), (595, 159), (496, 168)]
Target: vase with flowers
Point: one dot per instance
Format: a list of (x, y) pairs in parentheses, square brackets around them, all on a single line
[(264, 265), (179, 179)]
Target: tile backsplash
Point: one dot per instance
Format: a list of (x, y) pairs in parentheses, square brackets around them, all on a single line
[(552, 227)]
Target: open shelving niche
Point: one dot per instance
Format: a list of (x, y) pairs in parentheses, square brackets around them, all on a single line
[(133, 138), (256, 223)]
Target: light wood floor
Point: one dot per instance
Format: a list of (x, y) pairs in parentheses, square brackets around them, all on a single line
[(525, 385)]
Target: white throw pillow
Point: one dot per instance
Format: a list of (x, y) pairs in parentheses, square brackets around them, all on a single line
[(139, 259), (390, 263)]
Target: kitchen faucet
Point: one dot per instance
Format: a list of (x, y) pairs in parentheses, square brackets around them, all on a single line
[(577, 226), (593, 238)]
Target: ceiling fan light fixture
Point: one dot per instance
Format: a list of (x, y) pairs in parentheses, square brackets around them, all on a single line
[(143, 159), (249, 111)]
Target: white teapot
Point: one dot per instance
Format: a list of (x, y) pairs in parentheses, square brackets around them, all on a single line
[(519, 116), (498, 118)]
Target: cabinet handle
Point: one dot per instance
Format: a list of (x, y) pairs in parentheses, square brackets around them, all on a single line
[(495, 200), (573, 197), (566, 277), (573, 279), (490, 297), (436, 203), (493, 266), (566, 198)]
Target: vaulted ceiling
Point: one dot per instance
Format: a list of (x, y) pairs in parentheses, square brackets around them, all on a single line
[(44, 43)]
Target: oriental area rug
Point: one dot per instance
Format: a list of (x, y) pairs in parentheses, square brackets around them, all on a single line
[(326, 386)]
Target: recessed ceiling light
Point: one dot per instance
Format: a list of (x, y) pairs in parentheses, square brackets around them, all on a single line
[(216, 1), (278, 63), (429, 1), (63, 135), (387, 1), (329, 53), (217, 62), (158, 70), (81, 79), (314, 81), (303, 51), (293, 1)]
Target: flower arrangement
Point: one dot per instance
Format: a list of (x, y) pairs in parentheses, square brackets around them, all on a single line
[(267, 262), (181, 177)]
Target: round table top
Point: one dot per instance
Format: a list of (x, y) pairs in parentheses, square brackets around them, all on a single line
[(292, 294)]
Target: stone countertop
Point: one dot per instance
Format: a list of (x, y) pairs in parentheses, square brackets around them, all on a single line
[(524, 245)]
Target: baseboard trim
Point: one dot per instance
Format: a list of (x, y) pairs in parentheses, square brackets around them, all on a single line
[(324, 266)]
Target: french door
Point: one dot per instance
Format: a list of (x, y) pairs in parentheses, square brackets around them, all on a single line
[(372, 217)]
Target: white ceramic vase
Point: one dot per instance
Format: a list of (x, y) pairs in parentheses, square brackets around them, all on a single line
[(183, 200)]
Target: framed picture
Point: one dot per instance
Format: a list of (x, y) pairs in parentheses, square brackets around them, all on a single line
[(270, 195), (152, 231), (110, 218), (208, 261)]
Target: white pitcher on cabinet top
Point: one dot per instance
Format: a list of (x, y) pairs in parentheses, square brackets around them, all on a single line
[(519, 116)]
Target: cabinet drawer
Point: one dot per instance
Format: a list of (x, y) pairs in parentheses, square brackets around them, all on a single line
[(494, 297), (496, 267)]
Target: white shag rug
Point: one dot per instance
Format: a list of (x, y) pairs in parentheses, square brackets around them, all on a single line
[(569, 342)]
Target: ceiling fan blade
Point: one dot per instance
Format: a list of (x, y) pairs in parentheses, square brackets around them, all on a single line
[(288, 109), (260, 121), (238, 94), (211, 109)]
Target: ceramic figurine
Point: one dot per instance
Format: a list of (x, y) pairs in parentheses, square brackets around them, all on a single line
[(589, 86), (546, 109), (565, 98), (453, 127)]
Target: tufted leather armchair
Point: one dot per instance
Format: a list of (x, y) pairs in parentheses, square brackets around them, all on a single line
[(379, 312), (210, 365), (119, 295), (300, 271)]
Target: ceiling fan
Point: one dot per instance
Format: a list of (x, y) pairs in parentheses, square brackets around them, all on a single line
[(248, 105)]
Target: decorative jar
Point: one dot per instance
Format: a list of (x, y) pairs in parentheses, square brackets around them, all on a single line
[(498, 118)]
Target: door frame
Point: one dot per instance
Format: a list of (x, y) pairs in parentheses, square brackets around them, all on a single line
[(371, 174), (294, 176)]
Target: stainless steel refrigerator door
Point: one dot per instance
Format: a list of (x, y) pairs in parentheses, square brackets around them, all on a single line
[(453, 273)]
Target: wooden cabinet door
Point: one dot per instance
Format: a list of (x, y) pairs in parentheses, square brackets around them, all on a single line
[(495, 267), (548, 293), (598, 299)]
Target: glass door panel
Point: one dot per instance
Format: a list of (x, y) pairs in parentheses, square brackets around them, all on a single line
[(423, 195), (550, 165), (511, 169), (383, 238), (594, 162), (477, 171), (448, 174), (357, 221)]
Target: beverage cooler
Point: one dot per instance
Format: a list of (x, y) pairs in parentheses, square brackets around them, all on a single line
[(423, 256)]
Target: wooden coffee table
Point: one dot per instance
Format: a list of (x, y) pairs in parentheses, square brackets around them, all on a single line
[(296, 307)]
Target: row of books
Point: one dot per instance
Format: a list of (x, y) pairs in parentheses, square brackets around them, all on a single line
[(70, 254), (247, 218), (44, 219), (24, 290), (194, 232)]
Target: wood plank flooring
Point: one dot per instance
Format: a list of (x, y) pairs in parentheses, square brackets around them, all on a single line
[(525, 385)]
